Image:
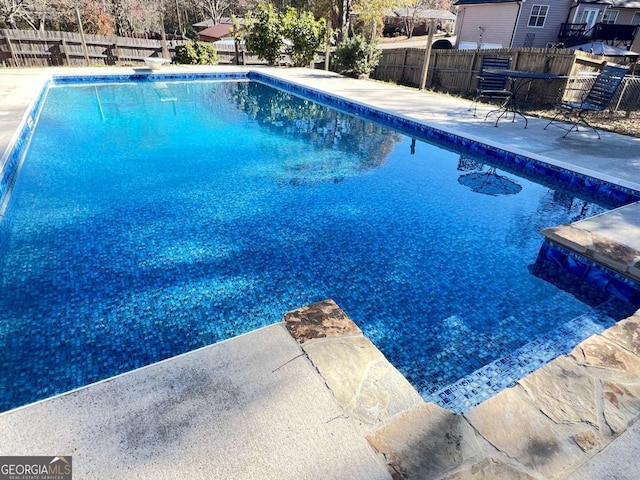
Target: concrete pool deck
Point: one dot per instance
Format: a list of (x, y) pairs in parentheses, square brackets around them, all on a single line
[(329, 406)]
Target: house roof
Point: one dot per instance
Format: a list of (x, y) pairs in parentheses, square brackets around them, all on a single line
[(480, 2), (204, 23), (613, 3), (219, 30), (424, 13), (210, 23), (625, 3)]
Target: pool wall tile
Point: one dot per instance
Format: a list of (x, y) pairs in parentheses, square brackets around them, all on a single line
[(14, 155), (581, 270), (145, 77)]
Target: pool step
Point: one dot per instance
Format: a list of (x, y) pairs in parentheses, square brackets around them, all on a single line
[(494, 377), (611, 239)]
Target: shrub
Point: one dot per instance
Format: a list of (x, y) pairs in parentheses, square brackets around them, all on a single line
[(306, 36), (268, 29), (191, 34), (264, 33), (355, 57), (196, 53)]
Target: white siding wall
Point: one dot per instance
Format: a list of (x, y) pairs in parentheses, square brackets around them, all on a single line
[(527, 36), (497, 23)]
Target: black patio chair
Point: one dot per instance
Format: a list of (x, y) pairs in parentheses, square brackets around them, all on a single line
[(596, 99), (490, 85)]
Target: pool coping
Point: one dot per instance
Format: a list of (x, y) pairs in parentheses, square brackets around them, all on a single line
[(503, 437)]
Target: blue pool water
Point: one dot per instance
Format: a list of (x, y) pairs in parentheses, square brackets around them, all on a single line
[(151, 219)]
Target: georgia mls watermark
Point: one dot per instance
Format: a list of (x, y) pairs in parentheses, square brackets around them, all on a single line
[(35, 468)]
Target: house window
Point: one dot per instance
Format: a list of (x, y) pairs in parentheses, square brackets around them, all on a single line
[(636, 19), (538, 15), (610, 16)]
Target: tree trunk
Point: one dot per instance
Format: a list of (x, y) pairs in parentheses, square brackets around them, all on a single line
[(179, 19), (344, 10), (163, 35)]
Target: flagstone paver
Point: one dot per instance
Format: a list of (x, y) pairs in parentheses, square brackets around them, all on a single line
[(564, 392), (367, 386), (545, 427), (427, 441)]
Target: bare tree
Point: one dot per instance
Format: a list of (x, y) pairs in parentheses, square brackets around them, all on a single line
[(14, 12), (216, 9), (135, 16), (412, 13), (52, 14), (241, 7), (41, 12)]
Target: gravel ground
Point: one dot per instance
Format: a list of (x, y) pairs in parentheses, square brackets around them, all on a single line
[(618, 122)]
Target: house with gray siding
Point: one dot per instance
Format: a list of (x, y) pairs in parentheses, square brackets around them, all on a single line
[(540, 22), (545, 23)]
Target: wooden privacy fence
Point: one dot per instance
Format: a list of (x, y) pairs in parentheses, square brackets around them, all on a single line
[(456, 71), (31, 48), (35, 48), (227, 54)]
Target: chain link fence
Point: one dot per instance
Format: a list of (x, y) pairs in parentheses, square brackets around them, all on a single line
[(626, 99)]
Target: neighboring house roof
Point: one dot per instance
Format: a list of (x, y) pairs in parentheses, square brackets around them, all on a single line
[(625, 3), (424, 13), (210, 23), (473, 2), (596, 2), (204, 23), (613, 3), (219, 30)]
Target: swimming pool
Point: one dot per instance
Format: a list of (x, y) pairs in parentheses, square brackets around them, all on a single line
[(153, 218)]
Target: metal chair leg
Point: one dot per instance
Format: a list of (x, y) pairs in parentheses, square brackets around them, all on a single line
[(581, 119)]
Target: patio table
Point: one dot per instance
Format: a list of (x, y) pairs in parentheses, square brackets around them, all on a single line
[(516, 80)]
